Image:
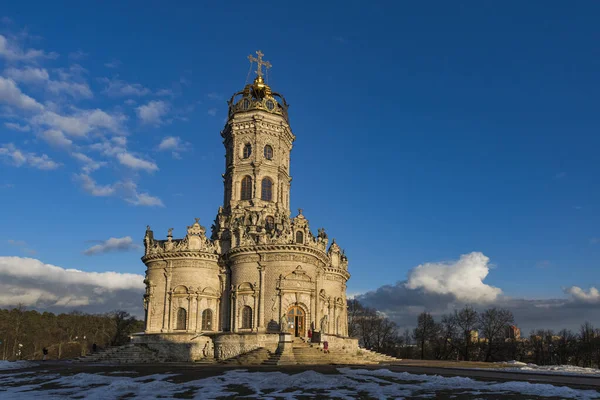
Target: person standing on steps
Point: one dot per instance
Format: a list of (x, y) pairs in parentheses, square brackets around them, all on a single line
[(326, 347), (94, 347), (45, 351), (309, 334)]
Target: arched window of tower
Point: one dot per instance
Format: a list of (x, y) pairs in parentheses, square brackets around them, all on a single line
[(247, 150), (267, 189), (299, 237), (247, 317), (181, 319), (268, 152), (246, 188), (207, 317)]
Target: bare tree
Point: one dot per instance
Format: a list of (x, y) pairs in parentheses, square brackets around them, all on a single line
[(425, 331), (493, 322), (467, 322)]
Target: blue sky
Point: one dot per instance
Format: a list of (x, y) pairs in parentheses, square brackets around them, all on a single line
[(424, 131)]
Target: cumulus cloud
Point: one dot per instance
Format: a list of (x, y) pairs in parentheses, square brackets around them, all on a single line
[(82, 122), (462, 279), (437, 289), (153, 112), (173, 144), (591, 296), (19, 158), (40, 76), (44, 286), (116, 87), (134, 162), (112, 245), (11, 51), (90, 165), (127, 190), (56, 138), (17, 127), (12, 96)]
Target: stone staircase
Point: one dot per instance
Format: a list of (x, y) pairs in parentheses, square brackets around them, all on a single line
[(305, 353), (126, 354), (254, 357)]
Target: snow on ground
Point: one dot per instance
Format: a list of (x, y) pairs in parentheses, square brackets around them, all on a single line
[(347, 384), (4, 365), (517, 366)]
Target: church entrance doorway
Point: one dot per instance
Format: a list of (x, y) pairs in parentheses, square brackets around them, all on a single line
[(296, 321)]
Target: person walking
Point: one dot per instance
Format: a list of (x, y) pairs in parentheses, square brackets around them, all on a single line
[(94, 347), (45, 351), (309, 334), (326, 347)]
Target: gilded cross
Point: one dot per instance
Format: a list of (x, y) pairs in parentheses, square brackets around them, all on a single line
[(259, 62)]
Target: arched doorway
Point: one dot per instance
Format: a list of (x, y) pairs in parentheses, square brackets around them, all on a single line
[(296, 321)]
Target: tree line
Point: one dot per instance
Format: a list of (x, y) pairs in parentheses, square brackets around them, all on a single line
[(25, 333), (469, 335)]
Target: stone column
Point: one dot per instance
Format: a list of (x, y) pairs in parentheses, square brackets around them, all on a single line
[(167, 274), (217, 328), (281, 328), (317, 301), (189, 314), (198, 317), (233, 324), (254, 313), (335, 322), (261, 300), (149, 314), (169, 312), (329, 315)]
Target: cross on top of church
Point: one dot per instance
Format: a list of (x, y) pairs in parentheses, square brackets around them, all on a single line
[(259, 62)]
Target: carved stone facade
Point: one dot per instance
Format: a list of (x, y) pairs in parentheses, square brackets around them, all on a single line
[(261, 271)]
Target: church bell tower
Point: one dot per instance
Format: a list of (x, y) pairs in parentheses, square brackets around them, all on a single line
[(258, 141)]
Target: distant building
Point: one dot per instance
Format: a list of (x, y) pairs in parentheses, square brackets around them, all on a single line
[(474, 336), (512, 332)]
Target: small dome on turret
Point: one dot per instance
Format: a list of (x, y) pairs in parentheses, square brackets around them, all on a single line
[(258, 95)]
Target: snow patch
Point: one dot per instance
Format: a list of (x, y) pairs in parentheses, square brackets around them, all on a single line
[(517, 366), (4, 365), (347, 384)]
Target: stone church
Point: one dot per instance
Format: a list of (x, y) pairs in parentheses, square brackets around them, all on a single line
[(260, 274)]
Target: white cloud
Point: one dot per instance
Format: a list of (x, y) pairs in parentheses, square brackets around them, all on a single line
[(17, 127), (116, 87), (592, 296), (90, 165), (12, 96), (152, 112), (19, 158), (165, 92), (10, 51), (212, 112), (113, 64), (132, 196), (82, 122), (56, 138), (35, 284), (91, 187), (134, 162), (126, 190), (463, 278), (112, 244), (173, 144), (40, 76)]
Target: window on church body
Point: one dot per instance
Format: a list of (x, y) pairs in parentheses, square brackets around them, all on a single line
[(269, 223), (246, 317), (246, 188), (207, 317), (299, 237), (181, 319), (267, 189), (268, 152), (247, 150)]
